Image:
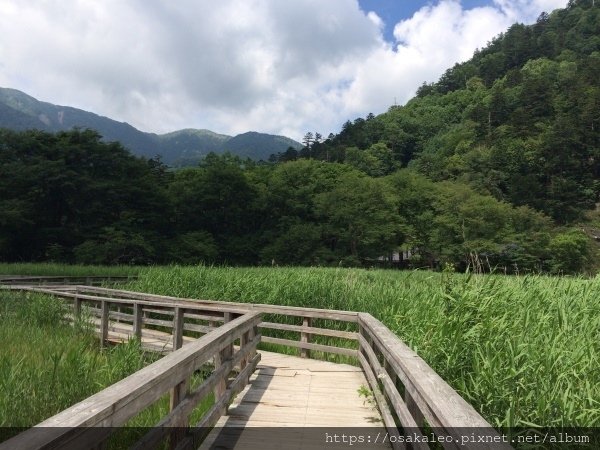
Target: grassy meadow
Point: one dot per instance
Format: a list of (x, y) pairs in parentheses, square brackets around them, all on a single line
[(59, 270), (522, 350), (47, 366)]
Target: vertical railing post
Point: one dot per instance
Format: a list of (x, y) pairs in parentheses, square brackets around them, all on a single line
[(76, 305), (228, 318), (305, 337), (104, 323), (178, 393), (137, 320), (178, 328), (243, 343), (221, 356)]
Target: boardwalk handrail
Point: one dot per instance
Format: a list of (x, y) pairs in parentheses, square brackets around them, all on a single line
[(305, 330), (388, 361), (90, 421), (408, 392)]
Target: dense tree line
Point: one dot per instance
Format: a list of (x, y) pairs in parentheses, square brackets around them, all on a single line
[(496, 165), (70, 197)]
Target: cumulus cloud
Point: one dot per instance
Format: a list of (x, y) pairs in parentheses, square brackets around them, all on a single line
[(237, 65)]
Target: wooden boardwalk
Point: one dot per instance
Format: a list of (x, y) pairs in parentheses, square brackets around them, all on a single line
[(261, 399), (284, 391), (293, 394)]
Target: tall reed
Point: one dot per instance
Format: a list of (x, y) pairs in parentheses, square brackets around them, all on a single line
[(523, 350)]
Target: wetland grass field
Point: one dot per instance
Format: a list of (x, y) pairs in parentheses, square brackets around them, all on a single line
[(523, 350)]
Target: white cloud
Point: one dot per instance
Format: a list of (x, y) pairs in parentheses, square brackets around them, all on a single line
[(236, 65), (527, 10), (377, 21), (432, 40)]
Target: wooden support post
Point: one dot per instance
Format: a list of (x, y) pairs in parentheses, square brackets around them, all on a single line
[(228, 318), (178, 393), (251, 335), (104, 323), (137, 321), (305, 337), (77, 308), (243, 343), (178, 328), (221, 386), (219, 358)]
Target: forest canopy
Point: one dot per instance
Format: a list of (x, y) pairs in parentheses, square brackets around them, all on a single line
[(496, 165)]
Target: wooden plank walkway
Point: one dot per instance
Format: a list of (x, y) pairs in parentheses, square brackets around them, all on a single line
[(294, 395), (284, 392)]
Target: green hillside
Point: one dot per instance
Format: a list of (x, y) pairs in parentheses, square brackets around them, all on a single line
[(520, 121)]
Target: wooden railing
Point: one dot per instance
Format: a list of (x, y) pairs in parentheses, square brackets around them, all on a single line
[(88, 423), (409, 394), (342, 325)]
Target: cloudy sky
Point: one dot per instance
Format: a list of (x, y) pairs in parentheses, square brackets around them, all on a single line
[(275, 66)]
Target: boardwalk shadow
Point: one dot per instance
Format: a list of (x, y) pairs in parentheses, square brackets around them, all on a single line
[(228, 432)]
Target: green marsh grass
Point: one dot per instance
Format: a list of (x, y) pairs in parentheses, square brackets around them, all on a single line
[(522, 350), (54, 269), (47, 365)]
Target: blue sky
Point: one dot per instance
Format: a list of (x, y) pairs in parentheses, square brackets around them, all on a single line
[(275, 66), (394, 11)]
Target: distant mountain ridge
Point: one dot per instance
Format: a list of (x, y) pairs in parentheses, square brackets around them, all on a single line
[(20, 111)]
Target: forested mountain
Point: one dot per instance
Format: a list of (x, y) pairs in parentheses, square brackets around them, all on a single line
[(520, 121), (494, 167), (19, 111)]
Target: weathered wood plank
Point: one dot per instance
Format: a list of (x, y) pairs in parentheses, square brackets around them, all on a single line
[(388, 419), (344, 316), (440, 404), (312, 330), (194, 307), (347, 316), (400, 408), (311, 346)]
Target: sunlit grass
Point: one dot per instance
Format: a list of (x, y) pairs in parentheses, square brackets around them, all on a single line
[(523, 350), (47, 366), (53, 269)]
